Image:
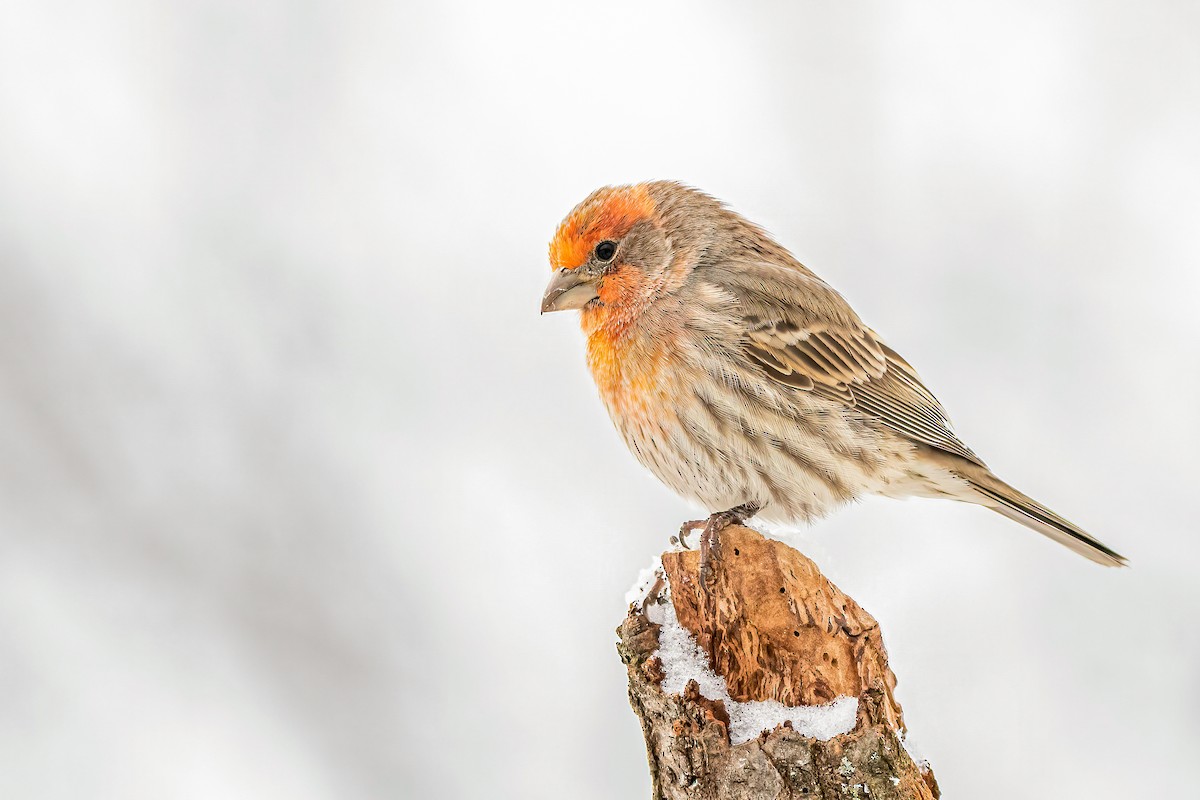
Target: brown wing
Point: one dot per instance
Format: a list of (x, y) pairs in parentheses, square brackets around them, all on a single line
[(849, 363)]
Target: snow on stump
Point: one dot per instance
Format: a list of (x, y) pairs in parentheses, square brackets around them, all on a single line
[(765, 682)]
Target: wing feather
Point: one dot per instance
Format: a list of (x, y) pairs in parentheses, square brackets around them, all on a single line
[(840, 358)]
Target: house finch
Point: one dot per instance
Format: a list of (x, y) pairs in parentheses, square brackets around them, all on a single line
[(744, 382)]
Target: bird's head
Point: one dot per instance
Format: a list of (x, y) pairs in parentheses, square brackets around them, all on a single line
[(621, 247)]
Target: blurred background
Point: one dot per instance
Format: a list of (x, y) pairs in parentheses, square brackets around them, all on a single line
[(299, 497)]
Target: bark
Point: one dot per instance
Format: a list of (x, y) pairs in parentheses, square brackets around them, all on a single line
[(775, 629)]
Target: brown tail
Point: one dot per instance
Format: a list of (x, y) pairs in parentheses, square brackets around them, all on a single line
[(1004, 499)]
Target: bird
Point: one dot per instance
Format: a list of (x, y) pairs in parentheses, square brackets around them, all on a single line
[(746, 383)]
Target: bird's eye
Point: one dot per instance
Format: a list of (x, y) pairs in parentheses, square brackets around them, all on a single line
[(606, 250)]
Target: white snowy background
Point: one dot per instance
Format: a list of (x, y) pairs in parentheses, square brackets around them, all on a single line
[(300, 498)]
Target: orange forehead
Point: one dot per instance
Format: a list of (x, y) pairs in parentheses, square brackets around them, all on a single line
[(608, 213)]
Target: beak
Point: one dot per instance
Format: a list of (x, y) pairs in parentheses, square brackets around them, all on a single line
[(568, 289)]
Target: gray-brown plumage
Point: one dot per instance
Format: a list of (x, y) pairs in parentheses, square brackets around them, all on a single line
[(737, 376)]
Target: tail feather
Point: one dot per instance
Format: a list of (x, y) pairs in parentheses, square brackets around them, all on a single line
[(1004, 499)]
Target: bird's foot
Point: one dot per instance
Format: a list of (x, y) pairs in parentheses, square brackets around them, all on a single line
[(710, 539), (685, 530)]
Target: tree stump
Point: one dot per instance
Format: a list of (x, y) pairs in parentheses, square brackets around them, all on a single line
[(763, 681)]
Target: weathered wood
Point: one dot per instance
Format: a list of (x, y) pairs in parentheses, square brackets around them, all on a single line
[(775, 629)]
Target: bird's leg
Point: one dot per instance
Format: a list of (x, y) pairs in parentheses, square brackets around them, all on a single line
[(710, 539)]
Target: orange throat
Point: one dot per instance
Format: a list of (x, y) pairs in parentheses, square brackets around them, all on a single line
[(627, 365)]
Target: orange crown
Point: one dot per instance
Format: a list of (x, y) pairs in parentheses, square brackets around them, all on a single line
[(608, 214)]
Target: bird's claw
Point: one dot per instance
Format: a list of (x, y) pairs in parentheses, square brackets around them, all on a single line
[(710, 539), (685, 530)]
